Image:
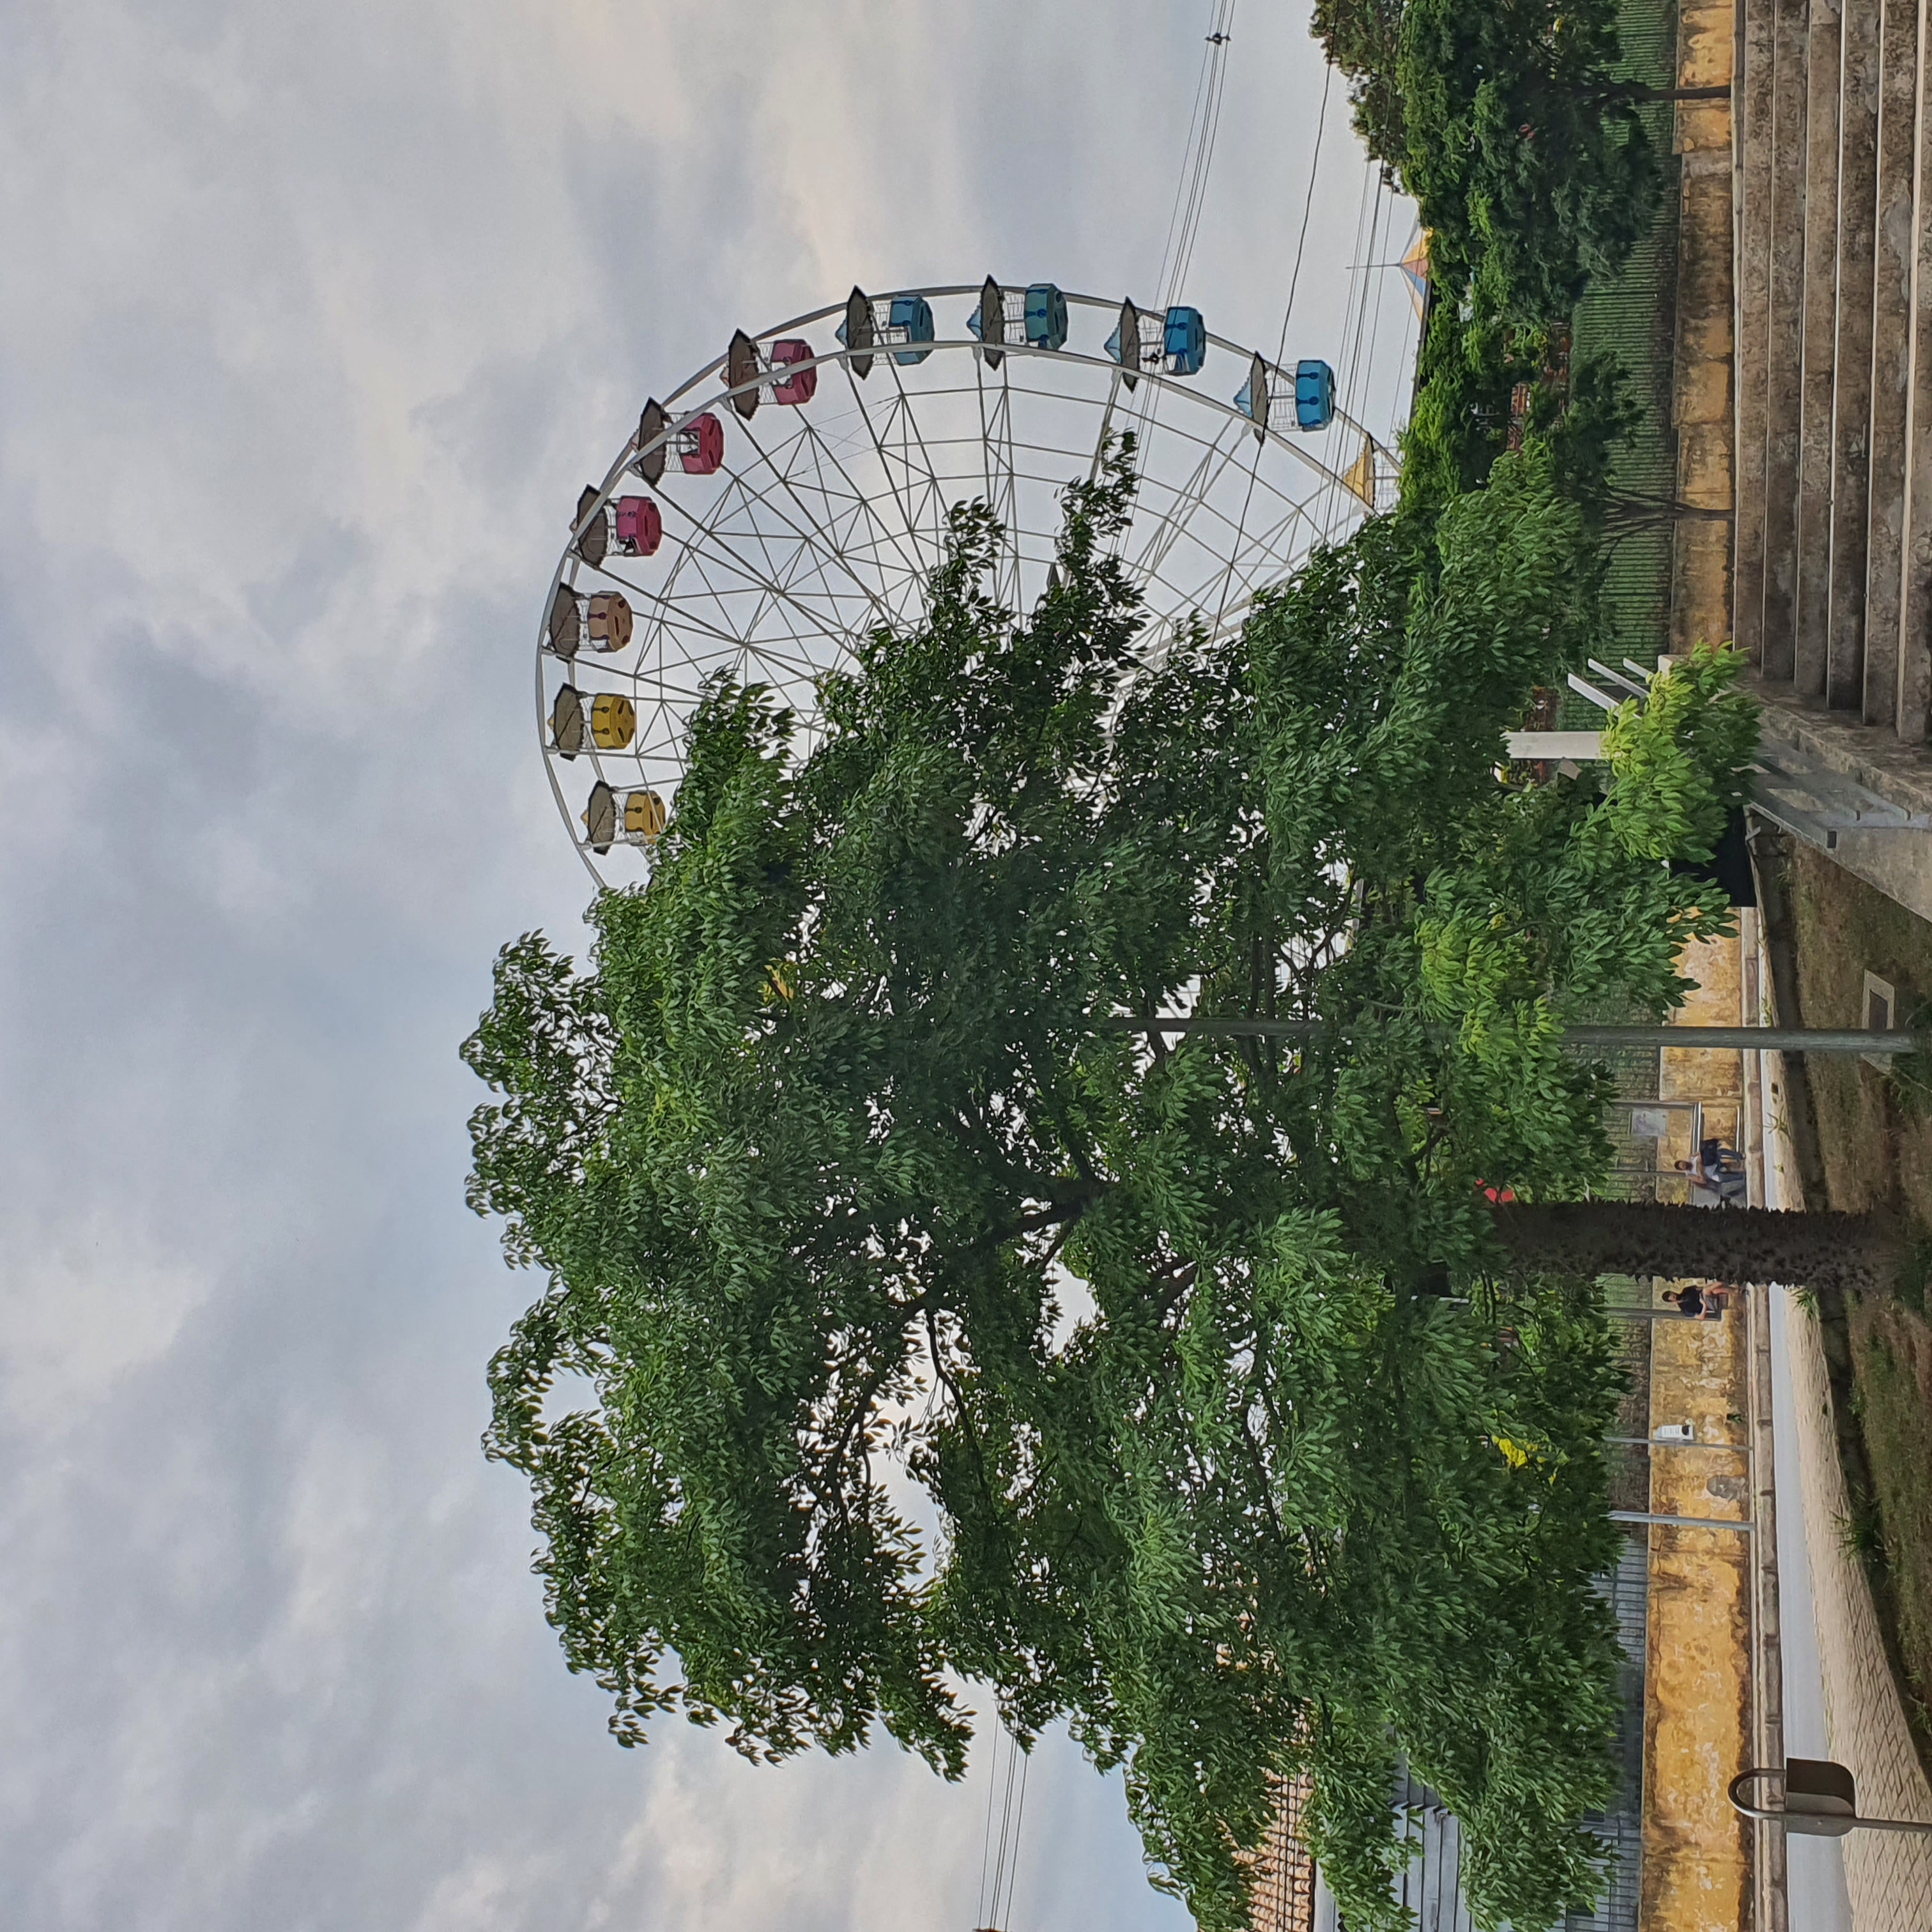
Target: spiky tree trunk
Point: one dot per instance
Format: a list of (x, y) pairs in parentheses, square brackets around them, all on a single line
[(1865, 1253)]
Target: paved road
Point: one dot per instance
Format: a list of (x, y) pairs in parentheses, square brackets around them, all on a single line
[(1815, 1880), (1839, 1699)]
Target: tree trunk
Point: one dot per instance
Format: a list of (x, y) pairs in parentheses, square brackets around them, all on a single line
[(1631, 513), (1867, 1254)]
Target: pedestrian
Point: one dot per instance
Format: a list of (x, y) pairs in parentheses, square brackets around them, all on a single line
[(1706, 1304)]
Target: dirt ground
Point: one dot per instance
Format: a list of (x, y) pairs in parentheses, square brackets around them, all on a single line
[(1877, 1149)]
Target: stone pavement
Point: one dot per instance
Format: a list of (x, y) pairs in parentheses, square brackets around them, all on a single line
[(1887, 1874)]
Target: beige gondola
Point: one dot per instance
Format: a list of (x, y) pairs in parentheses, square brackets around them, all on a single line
[(610, 622), (613, 721)]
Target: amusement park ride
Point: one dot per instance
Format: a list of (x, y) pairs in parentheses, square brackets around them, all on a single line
[(794, 493)]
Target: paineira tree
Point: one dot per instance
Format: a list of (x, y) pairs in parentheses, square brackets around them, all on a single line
[(842, 1180)]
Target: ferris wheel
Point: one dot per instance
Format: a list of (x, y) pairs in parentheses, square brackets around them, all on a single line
[(793, 495)]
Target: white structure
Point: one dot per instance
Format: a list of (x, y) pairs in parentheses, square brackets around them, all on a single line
[(760, 541)]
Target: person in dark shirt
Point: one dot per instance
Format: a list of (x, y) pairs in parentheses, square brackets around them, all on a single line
[(1707, 1303)]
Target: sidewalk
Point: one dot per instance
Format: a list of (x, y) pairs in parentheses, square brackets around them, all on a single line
[(1887, 1876)]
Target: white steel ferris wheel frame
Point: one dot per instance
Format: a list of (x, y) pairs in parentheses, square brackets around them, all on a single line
[(821, 557)]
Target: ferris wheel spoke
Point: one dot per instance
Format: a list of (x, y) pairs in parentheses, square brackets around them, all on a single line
[(996, 445), (883, 543), (1010, 521), (1212, 467), (711, 550), (803, 534), (862, 502), (1115, 390), (1230, 590), (908, 417), (742, 635), (1266, 550), (781, 579), (823, 549), (885, 463), (1273, 543), (1227, 573), (711, 531)]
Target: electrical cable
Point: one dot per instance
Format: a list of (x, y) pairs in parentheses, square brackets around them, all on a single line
[(1307, 208), (1005, 1919), (1191, 192), (1218, 90), (1361, 353), (1329, 492), (1006, 1825), (986, 1844), (1193, 120), (1361, 411)]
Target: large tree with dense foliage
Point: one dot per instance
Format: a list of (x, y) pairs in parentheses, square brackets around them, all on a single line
[(1514, 130), (1363, 38), (848, 1183), (1531, 165)]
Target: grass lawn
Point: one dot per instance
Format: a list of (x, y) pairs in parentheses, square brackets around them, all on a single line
[(1876, 1151)]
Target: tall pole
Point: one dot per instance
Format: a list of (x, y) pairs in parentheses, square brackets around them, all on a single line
[(1781, 1040)]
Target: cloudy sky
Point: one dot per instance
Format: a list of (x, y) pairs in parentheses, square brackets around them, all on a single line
[(317, 315)]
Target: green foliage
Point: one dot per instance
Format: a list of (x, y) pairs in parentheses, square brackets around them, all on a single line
[(813, 1152), (1461, 414), (1467, 370), (1363, 38), (1525, 154), (1679, 759)]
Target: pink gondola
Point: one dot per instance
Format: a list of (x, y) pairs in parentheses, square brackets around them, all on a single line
[(698, 442), (640, 526), (802, 387), (754, 376)]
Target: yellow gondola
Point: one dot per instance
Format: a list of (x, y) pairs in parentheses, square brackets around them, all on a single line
[(613, 721), (644, 816)]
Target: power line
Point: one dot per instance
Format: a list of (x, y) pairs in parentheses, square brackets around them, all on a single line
[(986, 1845), (1307, 208), (1006, 1918), (996, 1901), (1218, 55), (1204, 123)]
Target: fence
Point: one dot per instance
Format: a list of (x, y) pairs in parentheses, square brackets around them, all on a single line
[(1632, 315), (1430, 1888)]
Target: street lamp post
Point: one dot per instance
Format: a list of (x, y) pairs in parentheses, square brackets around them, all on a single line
[(1821, 1800)]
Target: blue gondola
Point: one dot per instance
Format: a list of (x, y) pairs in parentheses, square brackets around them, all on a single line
[(1314, 394), (1310, 389), (1036, 316), (912, 316), (1046, 316), (1175, 344), (1185, 346), (906, 319)]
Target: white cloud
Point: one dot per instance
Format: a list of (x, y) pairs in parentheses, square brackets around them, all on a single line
[(78, 1311)]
